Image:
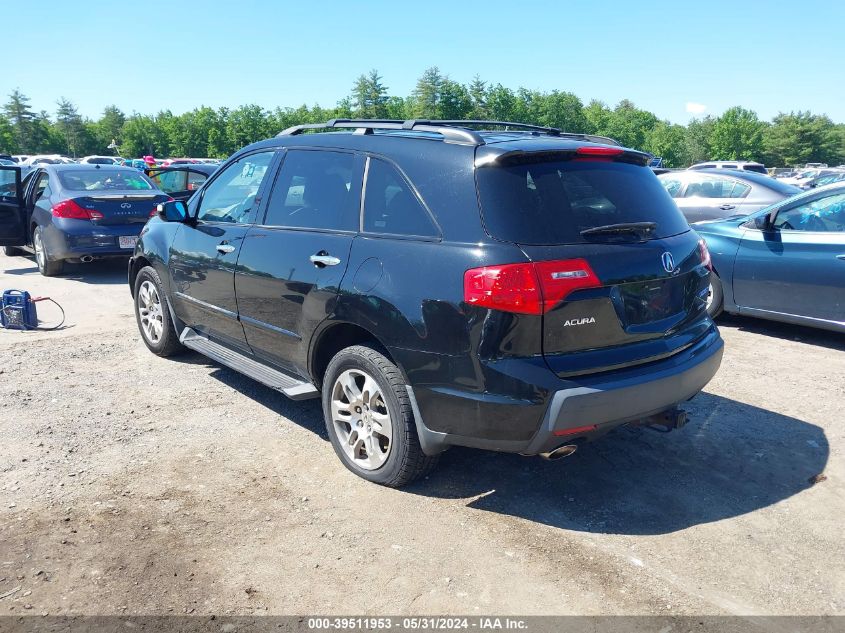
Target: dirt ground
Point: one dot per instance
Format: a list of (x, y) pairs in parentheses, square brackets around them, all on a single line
[(130, 484)]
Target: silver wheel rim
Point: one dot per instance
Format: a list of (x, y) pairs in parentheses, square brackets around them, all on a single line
[(361, 419), (40, 256), (149, 312), (709, 296)]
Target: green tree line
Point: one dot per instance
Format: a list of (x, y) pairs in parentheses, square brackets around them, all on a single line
[(789, 139)]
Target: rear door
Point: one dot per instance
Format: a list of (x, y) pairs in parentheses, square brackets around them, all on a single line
[(292, 263), (798, 266), (611, 299), (204, 254), (12, 209)]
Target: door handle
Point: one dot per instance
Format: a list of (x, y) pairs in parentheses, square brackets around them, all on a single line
[(842, 257), (225, 249), (323, 259), (727, 207)]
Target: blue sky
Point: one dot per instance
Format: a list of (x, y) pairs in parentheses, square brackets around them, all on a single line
[(146, 55)]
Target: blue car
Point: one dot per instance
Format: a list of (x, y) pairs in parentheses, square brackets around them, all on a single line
[(784, 263), (75, 213)]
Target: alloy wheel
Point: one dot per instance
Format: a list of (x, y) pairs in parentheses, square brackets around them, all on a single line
[(361, 419), (150, 312)]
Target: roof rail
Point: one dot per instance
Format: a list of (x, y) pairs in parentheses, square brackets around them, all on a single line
[(452, 130), (450, 134)]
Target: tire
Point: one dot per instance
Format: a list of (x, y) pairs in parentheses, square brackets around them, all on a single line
[(152, 313), (12, 251), (47, 266), (391, 459), (715, 296)]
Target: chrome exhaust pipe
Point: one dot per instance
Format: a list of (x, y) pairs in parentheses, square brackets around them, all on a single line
[(86, 259), (561, 451)]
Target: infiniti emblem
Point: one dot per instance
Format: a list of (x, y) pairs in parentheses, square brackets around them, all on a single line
[(668, 262), (125, 205)]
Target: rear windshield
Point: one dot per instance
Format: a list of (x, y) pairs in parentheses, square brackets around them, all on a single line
[(101, 179), (552, 202)]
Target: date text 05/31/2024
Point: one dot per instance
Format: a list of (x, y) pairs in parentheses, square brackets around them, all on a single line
[(480, 623)]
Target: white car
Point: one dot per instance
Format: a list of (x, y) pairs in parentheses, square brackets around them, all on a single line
[(740, 165), (48, 159), (98, 160)]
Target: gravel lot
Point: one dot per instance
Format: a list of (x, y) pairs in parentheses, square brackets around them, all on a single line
[(131, 484)]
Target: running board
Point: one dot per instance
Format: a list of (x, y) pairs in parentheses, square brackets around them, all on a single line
[(293, 388)]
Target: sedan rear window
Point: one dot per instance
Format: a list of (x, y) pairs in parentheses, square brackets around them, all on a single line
[(552, 202), (101, 179)]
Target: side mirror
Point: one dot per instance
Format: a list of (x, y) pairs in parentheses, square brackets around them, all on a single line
[(173, 211), (761, 222)]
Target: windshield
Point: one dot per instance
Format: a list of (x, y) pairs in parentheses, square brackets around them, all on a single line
[(103, 179), (553, 202)]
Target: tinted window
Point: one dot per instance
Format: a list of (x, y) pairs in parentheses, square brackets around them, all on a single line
[(95, 179), (314, 191), (713, 187), (822, 215), (390, 205), (552, 202), (231, 196)]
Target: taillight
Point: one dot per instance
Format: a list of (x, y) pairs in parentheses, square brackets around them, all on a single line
[(154, 212), (530, 288), (704, 254), (70, 209)]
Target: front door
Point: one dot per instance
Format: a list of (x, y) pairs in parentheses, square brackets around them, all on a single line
[(293, 261), (798, 265), (204, 254), (12, 209)]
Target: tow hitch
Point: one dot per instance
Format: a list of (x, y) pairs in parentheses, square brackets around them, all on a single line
[(664, 421)]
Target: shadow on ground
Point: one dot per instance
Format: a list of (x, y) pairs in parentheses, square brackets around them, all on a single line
[(108, 271), (784, 331), (731, 459)]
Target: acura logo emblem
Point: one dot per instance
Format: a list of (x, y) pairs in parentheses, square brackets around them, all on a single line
[(668, 262), (125, 205)]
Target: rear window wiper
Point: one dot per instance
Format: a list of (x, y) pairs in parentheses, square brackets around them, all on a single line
[(640, 229)]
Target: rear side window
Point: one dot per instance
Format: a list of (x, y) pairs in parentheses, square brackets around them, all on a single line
[(552, 202), (707, 187), (390, 205), (314, 191)]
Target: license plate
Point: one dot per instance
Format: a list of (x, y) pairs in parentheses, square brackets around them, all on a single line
[(127, 241)]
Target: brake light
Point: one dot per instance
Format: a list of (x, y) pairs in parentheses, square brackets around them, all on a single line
[(704, 253), (530, 288), (598, 152), (72, 210)]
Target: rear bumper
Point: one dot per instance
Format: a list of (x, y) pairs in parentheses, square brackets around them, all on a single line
[(604, 402), (73, 239)]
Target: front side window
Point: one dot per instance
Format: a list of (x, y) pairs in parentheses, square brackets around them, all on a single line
[(314, 191), (390, 205), (231, 196), (819, 216)]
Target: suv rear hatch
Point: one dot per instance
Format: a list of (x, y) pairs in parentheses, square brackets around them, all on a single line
[(623, 277)]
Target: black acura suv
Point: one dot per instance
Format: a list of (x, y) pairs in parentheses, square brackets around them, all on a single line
[(512, 288)]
